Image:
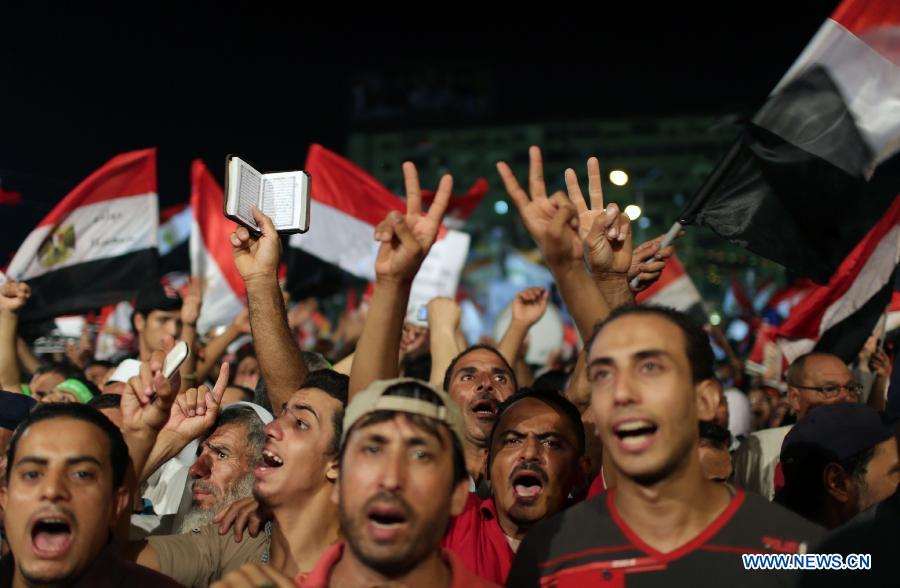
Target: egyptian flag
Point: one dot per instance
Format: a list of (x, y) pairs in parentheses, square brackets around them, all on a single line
[(96, 247), (174, 233), (838, 317), (815, 168), (211, 258), (461, 206), (674, 289)]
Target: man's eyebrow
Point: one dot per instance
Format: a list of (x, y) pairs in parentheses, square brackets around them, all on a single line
[(218, 448), (302, 406), (467, 369), (646, 353), (32, 459), (69, 460), (83, 458)]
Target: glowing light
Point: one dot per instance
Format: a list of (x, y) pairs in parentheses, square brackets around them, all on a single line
[(501, 207), (715, 319), (618, 177), (633, 211)]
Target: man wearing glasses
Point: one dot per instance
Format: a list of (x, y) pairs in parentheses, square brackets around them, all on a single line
[(814, 379)]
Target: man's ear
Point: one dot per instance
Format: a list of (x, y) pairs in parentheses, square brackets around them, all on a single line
[(838, 483), (121, 502), (460, 496), (331, 474), (139, 322), (793, 396), (707, 396)]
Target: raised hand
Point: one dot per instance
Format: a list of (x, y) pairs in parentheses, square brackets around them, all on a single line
[(246, 514), (195, 410), (147, 398), (406, 240), (538, 213), (14, 295), (648, 261), (191, 302), (604, 232), (529, 306), (257, 256)]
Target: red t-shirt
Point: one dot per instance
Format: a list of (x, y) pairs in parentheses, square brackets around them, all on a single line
[(318, 577), (476, 537)]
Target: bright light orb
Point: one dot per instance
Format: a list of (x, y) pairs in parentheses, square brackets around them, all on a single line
[(633, 211), (618, 177)]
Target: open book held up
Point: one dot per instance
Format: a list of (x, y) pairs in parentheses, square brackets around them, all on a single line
[(282, 196)]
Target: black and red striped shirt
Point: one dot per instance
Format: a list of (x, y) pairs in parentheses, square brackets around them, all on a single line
[(590, 545)]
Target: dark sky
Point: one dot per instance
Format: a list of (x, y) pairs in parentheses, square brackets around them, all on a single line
[(77, 88)]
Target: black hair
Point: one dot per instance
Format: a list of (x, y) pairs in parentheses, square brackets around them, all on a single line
[(448, 375), (118, 451), (101, 362), (337, 386), (716, 433), (63, 368), (419, 392), (554, 380), (105, 401), (696, 342), (418, 367), (551, 398)]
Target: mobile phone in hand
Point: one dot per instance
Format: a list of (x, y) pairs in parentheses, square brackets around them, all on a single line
[(175, 358)]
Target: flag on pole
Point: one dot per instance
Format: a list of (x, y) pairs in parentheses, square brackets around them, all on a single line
[(98, 246), (674, 289), (211, 258)]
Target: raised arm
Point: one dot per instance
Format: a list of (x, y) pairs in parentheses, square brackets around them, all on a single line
[(405, 241), (280, 359), (527, 308), (190, 313), (553, 224), (443, 321), (13, 296)]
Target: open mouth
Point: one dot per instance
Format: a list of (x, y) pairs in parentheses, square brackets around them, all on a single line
[(635, 434), (51, 536), (528, 485), (484, 409), (387, 517), (271, 459)]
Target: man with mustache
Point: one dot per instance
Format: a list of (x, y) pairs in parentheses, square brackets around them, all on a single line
[(536, 460)]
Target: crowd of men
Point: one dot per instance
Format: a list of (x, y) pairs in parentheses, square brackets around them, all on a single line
[(417, 459)]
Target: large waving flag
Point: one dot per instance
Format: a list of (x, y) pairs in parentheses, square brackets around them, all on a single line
[(346, 205), (839, 316), (211, 258), (98, 245), (674, 289), (815, 168)]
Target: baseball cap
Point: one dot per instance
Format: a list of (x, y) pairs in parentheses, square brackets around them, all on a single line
[(376, 397), (835, 432)]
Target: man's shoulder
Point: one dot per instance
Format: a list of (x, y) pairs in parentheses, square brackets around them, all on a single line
[(589, 519)]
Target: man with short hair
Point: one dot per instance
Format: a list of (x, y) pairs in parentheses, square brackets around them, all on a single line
[(663, 523), (536, 461), (293, 482), (837, 461), (402, 475), (157, 314), (814, 379), (63, 493), (479, 379)]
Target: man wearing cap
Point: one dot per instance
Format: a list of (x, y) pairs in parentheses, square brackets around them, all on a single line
[(664, 523), (838, 460), (402, 475), (72, 390), (814, 379)]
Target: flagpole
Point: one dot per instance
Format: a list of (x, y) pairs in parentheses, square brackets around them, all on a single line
[(883, 322), (666, 241)]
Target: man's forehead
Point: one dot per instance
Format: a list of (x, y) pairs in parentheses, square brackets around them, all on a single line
[(230, 434), (65, 436), (826, 368), (314, 397), (482, 359), (401, 427), (530, 415), (634, 334)]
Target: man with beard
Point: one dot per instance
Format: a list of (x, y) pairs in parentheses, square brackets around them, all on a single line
[(664, 523), (293, 483), (402, 475), (223, 472), (536, 460)]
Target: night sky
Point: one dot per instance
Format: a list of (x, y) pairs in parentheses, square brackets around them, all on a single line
[(77, 88)]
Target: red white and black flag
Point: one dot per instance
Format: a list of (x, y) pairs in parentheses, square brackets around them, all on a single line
[(98, 246), (816, 168), (211, 257), (839, 316), (675, 289)]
